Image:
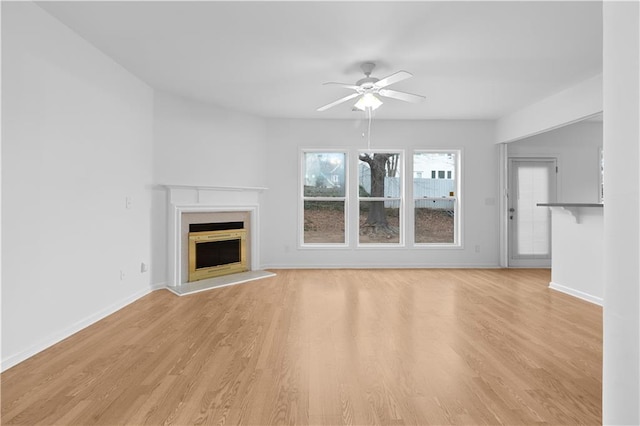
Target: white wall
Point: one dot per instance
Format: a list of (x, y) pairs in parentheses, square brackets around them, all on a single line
[(578, 255), (77, 140), (200, 144), (621, 351), (204, 144), (570, 105), (480, 190), (576, 147)]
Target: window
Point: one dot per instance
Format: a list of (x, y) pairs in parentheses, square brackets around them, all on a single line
[(380, 192), (436, 201), (377, 186), (324, 198)]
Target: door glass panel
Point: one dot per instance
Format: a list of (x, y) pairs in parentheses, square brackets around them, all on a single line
[(533, 223)]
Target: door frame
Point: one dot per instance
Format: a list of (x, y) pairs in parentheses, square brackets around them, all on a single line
[(507, 240)]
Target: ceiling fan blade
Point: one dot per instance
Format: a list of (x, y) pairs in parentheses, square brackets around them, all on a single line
[(339, 101), (407, 97), (393, 78), (348, 86)]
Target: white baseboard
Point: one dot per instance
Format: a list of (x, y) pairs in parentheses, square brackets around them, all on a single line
[(158, 286), (57, 337), (384, 266), (576, 293)]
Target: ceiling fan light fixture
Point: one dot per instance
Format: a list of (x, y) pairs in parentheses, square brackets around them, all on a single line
[(370, 88), (368, 100)]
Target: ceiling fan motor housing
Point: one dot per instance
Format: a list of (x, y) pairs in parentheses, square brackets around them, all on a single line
[(367, 82)]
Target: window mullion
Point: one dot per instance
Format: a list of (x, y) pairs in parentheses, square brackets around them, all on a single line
[(324, 198)]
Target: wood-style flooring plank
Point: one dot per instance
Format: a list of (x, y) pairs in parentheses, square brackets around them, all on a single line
[(324, 347)]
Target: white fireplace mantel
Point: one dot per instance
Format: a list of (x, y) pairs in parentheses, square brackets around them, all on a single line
[(208, 199)]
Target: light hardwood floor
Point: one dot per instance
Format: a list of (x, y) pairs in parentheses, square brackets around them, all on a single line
[(324, 347)]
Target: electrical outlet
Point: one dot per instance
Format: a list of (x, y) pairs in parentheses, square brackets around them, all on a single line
[(127, 203), (122, 275), (144, 267), (477, 249)]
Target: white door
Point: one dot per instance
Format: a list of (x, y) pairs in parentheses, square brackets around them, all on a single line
[(531, 181)]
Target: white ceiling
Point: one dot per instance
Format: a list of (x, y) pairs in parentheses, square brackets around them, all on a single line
[(472, 60)]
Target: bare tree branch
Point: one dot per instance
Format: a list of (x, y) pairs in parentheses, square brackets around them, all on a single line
[(366, 158)]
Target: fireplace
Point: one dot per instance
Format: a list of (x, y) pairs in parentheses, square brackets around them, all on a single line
[(222, 240), (216, 249), (193, 209)]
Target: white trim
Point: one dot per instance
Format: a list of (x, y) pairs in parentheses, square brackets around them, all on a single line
[(59, 336), (504, 203), (462, 215), (377, 246), (458, 234), (158, 286), (393, 246), (529, 261), (216, 188), (421, 266), (301, 245), (576, 293), (547, 267), (402, 199), (437, 246), (324, 246)]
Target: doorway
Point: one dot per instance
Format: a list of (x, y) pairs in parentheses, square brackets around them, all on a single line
[(531, 181)]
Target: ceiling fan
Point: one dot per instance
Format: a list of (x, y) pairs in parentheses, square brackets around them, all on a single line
[(368, 87)]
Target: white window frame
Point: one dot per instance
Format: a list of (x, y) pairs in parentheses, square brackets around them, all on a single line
[(458, 200), (401, 213), (302, 198)]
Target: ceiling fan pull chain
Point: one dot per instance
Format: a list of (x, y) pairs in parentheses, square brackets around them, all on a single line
[(369, 130)]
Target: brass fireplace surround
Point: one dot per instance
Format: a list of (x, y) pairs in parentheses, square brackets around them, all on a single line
[(219, 270)]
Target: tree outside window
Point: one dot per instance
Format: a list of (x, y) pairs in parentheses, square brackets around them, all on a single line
[(380, 197), (325, 215)]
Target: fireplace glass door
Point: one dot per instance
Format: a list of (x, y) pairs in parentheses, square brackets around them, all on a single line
[(216, 253)]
